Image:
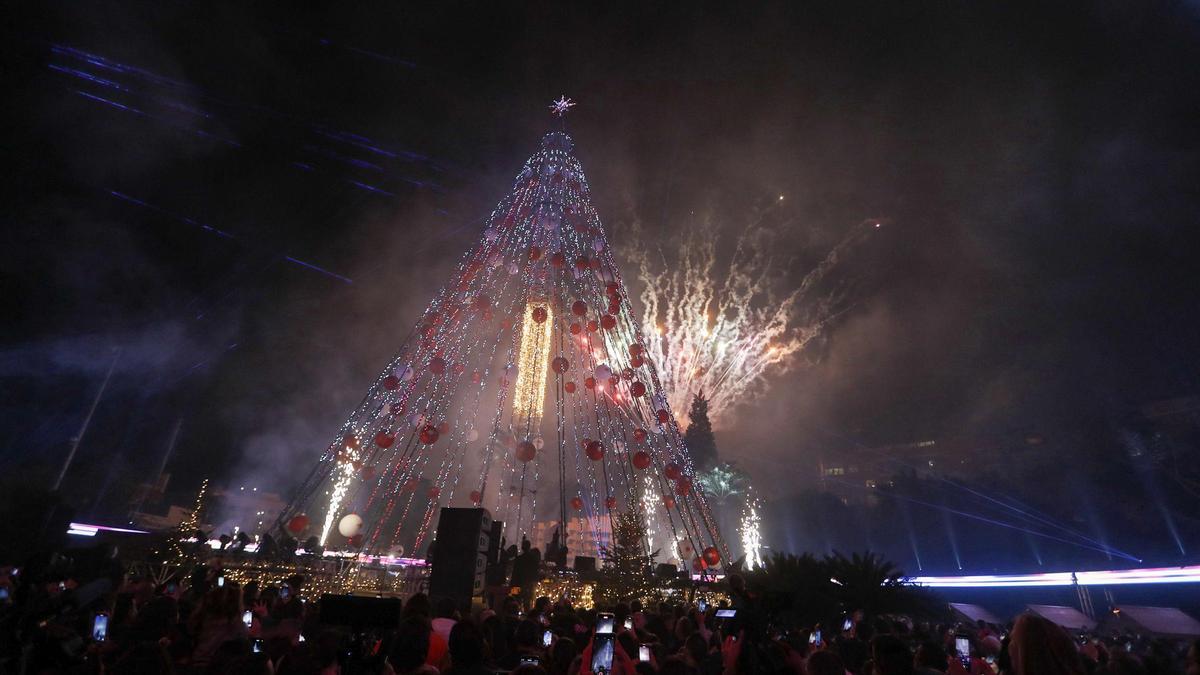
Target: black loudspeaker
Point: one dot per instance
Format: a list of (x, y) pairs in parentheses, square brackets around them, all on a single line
[(585, 563), (666, 571), (349, 610), (459, 556), (493, 551)]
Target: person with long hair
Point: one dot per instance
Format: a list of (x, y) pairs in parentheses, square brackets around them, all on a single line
[(1038, 646), (216, 621)]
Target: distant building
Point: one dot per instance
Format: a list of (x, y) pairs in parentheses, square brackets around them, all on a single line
[(585, 536)]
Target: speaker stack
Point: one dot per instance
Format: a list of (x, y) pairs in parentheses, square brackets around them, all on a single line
[(460, 554)]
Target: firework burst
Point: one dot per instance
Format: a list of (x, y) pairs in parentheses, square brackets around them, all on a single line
[(719, 328)]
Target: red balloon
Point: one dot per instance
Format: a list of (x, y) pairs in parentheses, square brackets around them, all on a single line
[(579, 308), (636, 361), (639, 435), (539, 314), (641, 459), (444, 428), (683, 487), (437, 365), (391, 382), (576, 329), (558, 260), (560, 365), (297, 524), (590, 383), (429, 434), (671, 470), (669, 502), (612, 288), (534, 252), (608, 321), (569, 387), (712, 556), (476, 497), (636, 348), (614, 306), (592, 325), (637, 389), (610, 503), (595, 451), (433, 492), (577, 503), (526, 451), (582, 263), (663, 416), (384, 440)]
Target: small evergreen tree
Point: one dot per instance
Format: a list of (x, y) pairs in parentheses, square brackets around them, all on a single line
[(701, 444), (626, 562)]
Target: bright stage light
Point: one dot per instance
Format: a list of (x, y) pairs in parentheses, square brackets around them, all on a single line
[(1156, 575)]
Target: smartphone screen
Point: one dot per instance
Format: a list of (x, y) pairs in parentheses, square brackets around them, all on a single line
[(644, 653), (284, 592), (962, 645), (172, 587), (221, 581), (3, 592), (847, 624), (602, 654), (726, 613), (257, 646), (604, 623), (702, 605), (547, 638), (247, 618), (100, 628), (814, 637), (628, 623)]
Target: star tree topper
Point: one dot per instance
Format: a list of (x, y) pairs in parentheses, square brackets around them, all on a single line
[(561, 106)]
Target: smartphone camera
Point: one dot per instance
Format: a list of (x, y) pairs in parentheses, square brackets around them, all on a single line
[(221, 581), (257, 646), (602, 654), (962, 646), (547, 638), (604, 623), (644, 653), (100, 628), (247, 618), (628, 623)]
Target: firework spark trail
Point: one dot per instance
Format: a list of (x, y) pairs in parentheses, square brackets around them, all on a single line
[(722, 337)]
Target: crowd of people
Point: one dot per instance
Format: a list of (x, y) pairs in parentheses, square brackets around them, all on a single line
[(209, 624)]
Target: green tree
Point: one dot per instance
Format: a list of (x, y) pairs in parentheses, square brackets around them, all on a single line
[(701, 444), (627, 562)]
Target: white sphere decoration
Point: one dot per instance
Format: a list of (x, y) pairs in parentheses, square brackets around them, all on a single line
[(513, 268), (405, 373), (598, 245), (603, 373), (491, 234), (416, 419), (472, 435), (539, 443), (350, 525)]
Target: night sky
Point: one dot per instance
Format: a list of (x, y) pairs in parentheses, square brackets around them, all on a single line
[(1037, 165)]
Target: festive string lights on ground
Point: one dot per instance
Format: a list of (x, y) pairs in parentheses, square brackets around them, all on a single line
[(719, 328), (527, 364)]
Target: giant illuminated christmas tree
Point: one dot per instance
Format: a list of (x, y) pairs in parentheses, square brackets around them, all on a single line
[(526, 373)]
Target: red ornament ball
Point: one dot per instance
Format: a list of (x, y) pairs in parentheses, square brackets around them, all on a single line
[(476, 497), (391, 382), (437, 365), (592, 325), (576, 329), (671, 470), (526, 451), (582, 263), (444, 428), (640, 435), (636, 348), (590, 383), (429, 434), (579, 308), (558, 260), (535, 252), (712, 556), (569, 387), (612, 288), (637, 389), (663, 416), (577, 503), (539, 314), (610, 503), (641, 459), (683, 487), (297, 524), (669, 502), (608, 322), (595, 451), (636, 361), (384, 440), (560, 365)]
